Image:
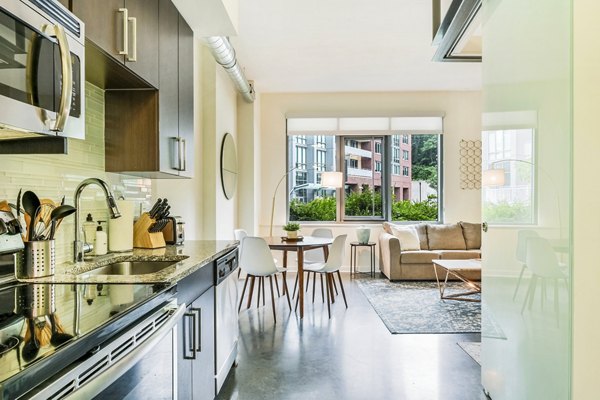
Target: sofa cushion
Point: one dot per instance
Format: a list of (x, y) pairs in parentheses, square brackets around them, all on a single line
[(408, 237), (421, 231), (445, 237), (419, 257), (459, 254), (472, 235)]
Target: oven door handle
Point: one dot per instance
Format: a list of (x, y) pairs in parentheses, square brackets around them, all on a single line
[(66, 88), (106, 378)]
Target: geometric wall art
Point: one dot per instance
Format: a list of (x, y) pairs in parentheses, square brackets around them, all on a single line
[(470, 164)]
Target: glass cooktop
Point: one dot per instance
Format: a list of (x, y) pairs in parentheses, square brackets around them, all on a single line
[(36, 320)]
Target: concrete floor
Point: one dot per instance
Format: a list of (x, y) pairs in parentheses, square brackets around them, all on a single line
[(350, 356)]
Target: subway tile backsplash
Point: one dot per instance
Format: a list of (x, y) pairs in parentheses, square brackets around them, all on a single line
[(55, 176)]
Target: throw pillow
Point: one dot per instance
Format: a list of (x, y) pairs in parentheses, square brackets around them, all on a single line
[(472, 234), (446, 237), (408, 237)]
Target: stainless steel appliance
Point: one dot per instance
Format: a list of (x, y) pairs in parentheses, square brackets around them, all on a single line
[(42, 70), (226, 316), (174, 231)]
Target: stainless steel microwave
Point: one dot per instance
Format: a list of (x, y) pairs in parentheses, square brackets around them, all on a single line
[(42, 70)]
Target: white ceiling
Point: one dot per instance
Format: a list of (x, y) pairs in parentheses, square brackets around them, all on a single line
[(343, 46)]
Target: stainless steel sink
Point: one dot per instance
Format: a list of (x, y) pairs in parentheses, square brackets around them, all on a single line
[(131, 268)]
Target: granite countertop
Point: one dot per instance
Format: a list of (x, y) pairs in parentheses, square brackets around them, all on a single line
[(186, 258)]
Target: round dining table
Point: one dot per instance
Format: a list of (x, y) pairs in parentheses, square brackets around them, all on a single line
[(299, 246)]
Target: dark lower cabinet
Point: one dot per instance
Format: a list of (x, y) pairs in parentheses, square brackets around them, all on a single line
[(196, 349)]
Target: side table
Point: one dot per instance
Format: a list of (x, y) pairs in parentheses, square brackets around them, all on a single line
[(353, 257)]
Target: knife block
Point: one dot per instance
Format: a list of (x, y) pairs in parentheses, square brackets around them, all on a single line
[(142, 238)]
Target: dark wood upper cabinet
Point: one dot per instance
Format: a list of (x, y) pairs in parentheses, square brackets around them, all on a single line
[(126, 30), (142, 55), (151, 133), (186, 94)]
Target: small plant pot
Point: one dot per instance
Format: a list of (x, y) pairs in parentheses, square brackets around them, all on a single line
[(292, 234)]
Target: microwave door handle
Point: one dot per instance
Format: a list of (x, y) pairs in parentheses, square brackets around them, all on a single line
[(66, 90)]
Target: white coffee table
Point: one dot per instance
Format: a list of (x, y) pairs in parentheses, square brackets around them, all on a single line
[(457, 268)]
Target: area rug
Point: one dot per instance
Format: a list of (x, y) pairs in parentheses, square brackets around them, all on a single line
[(416, 307), (473, 349)]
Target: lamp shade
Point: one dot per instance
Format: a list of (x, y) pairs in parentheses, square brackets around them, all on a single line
[(333, 180), (492, 177)]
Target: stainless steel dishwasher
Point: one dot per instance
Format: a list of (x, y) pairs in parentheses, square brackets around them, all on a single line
[(226, 316)]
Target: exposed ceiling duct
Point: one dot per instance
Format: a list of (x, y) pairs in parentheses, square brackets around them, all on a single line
[(224, 54)]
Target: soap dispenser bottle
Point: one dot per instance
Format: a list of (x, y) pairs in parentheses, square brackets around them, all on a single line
[(101, 241), (89, 229)]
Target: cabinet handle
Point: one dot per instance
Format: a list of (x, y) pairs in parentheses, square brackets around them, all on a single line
[(199, 312), (133, 22), (183, 154), (125, 33), (192, 348)]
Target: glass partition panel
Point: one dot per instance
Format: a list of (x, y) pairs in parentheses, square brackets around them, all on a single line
[(526, 309)]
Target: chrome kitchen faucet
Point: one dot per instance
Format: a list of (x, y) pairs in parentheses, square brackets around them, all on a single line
[(78, 244)]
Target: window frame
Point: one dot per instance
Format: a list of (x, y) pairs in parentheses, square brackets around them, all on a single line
[(386, 178)]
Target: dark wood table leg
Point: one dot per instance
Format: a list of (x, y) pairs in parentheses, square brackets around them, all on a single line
[(284, 266), (301, 280)]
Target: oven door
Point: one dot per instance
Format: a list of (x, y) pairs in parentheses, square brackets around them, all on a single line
[(140, 364), (41, 73)]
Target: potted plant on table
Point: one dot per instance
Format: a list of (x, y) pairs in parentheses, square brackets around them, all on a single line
[(292, 229)]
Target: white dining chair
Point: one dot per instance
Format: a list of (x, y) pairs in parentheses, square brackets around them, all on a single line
[(329, 268), (543, 263), (314, 256), (523, 237), (256, 260), (240, 235)]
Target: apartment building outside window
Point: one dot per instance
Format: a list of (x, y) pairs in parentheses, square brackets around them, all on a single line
[(384, 176)]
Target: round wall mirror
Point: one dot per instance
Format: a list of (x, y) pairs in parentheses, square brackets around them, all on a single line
[(229, 166)]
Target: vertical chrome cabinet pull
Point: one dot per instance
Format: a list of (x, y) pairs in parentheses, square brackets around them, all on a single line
[(184, 154), (133, 22), (185, 347), (66, 91), (125, 33), (199, 311)]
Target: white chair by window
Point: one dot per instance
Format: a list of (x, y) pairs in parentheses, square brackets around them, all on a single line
[(329, 269), (543, 264), (315, 256), (523, 237), (257, 261), (239, 235)]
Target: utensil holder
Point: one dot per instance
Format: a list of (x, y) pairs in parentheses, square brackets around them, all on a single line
[(39, 260), (35, 300)]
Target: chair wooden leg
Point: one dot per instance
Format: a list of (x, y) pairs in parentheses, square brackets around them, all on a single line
[(329, 281), (322, 291), (295, 286), (258, 298), (243, 292), (277, 286), (342, 287), (251, 291), (296, 305), (286, 291), (314, 281), (262, 279), (334, 286), (307, 281), (329, 295), (272, 297)]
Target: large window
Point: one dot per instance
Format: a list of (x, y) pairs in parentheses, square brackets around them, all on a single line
[(508, 178), (392, 177)]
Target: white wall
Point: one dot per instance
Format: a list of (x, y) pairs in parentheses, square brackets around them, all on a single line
[(586, 203), (462, 121)]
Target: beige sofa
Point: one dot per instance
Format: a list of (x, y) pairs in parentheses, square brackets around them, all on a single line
[(437, 241)]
